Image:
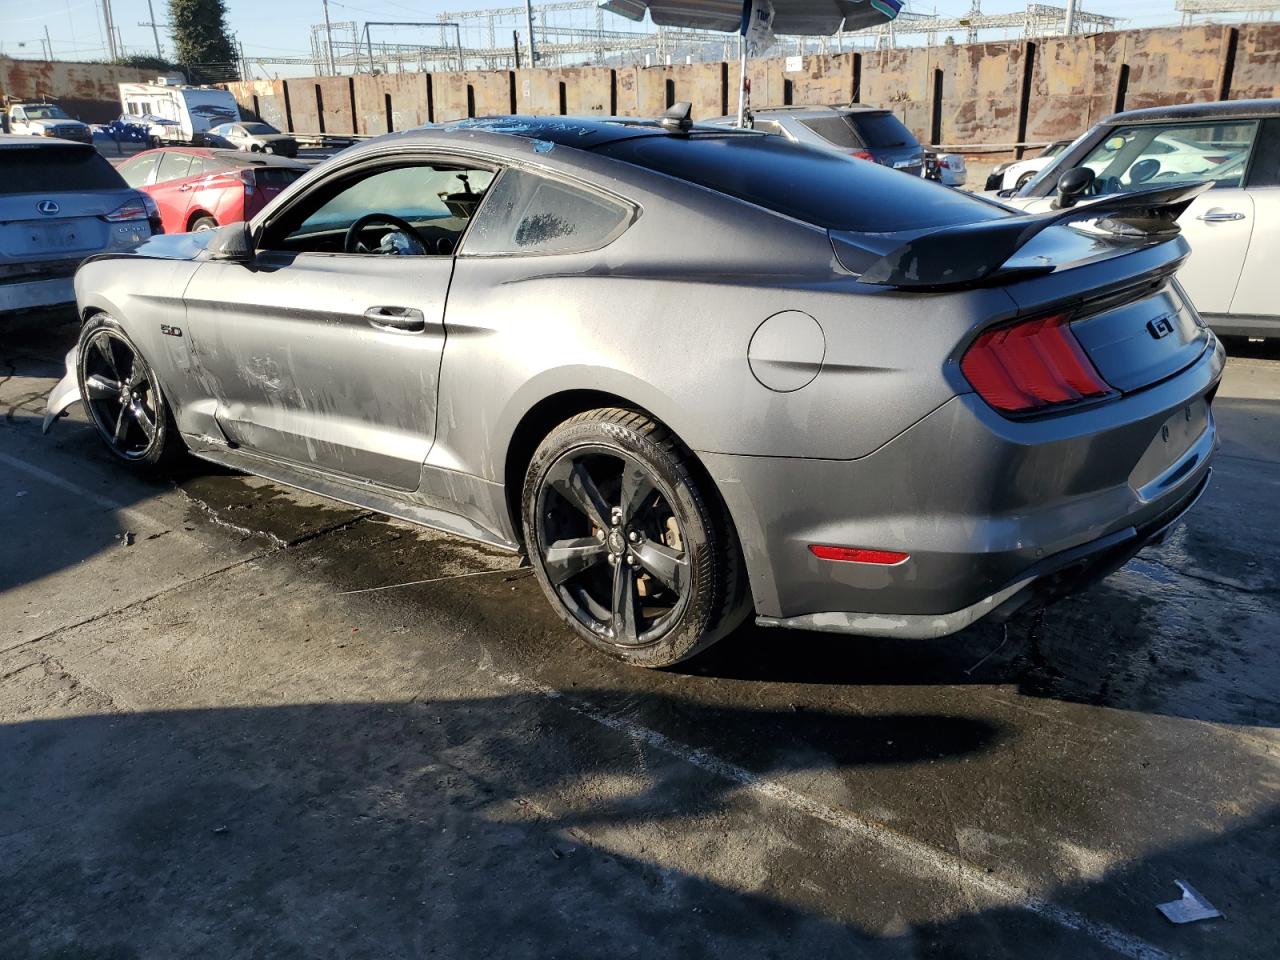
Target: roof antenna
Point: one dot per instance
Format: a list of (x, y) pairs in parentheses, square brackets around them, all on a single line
[(678, 117)]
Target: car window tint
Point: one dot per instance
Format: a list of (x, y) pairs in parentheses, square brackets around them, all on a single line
[(416, 194), (817, 186), (529, 214), (1144, 156), (55, 170), (173, 166), (835, 130), (198, 168), (1265, 170), (881, 131), (136, 171)]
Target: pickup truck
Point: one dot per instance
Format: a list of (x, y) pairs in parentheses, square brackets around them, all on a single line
[(46, 120)]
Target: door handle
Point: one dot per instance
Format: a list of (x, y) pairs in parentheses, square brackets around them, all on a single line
[(184, 188), (401, 319), (1220, 216)]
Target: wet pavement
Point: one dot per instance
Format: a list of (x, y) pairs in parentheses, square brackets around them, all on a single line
[(227, 728)]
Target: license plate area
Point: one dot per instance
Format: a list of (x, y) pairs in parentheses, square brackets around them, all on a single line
[(1162, 463), (44, 237)]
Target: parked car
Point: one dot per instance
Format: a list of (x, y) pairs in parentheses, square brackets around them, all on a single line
[(1233, 229), (60, 202), (46, 120), (690, 371), (948, 169), (197, 188), (1018, 173), (253, 137), (868, 133)]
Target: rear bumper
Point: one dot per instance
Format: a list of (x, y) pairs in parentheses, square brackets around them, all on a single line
[(36, 293), (990, 511)]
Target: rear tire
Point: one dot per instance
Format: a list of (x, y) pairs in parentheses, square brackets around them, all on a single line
[(204, 223), (631, 547), (123, 398)]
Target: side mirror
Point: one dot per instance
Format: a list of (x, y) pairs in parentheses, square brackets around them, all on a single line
[(234, 243), (1072, 185)]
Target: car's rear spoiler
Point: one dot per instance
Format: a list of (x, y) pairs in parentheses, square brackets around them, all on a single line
[(967, 254)]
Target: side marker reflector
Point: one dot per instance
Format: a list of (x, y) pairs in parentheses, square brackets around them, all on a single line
[(883, 558)]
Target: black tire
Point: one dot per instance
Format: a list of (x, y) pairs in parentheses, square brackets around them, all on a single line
[(1024, 179), (204, 223), (138, 429), (650, 585)]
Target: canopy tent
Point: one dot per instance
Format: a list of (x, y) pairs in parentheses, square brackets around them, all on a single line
[(758, 20), (793, 18)]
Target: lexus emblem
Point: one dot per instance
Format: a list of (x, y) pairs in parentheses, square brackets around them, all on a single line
[(48, 207), (1160, 327)]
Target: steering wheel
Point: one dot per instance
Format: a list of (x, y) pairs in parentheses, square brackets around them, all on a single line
[(1144, 170), (351, 242)]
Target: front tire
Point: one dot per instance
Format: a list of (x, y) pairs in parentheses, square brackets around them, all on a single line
[(123, 397), (635, 552)]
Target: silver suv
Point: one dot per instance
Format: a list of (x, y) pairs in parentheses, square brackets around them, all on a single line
[(59, 203), (868, 133)]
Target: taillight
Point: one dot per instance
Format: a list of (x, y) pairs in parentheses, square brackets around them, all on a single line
[(944, 163), (882, 558), (250, 184), (153, 213), (1032, 365), (862, 155), (135, 209)]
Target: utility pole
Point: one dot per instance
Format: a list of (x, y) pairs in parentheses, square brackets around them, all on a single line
[(528, 15), (109, 22), (328, 30), (48, 44), (155, 27), (1071, 17)]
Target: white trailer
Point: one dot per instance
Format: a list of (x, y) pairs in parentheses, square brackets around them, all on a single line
[(177, 112)]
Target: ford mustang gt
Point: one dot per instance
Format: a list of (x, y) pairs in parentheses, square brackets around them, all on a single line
[(691, 372)]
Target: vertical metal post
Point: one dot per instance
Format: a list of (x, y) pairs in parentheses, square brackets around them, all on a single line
[(1071, 17), (528, 16), (111, 29), (48, 44), (515, 47), (155, 30), (328, 31), (742, 82)]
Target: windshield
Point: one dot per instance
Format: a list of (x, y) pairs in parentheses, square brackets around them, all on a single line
[(259, 128), (813, 185), (56, 170), (45, 112), (1156, 154)]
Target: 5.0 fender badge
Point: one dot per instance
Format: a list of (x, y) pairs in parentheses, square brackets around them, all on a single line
[(169, 331)]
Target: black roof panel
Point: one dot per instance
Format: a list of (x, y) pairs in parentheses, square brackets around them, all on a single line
[(1190, 111)]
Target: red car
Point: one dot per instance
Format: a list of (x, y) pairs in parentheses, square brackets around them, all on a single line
[(200, 188)]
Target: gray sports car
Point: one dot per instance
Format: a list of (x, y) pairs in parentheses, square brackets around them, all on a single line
[(690, 372)]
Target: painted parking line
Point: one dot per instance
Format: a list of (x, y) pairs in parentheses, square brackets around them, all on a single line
[(913, 855)]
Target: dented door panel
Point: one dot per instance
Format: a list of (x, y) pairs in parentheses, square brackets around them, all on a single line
[(304, 372)]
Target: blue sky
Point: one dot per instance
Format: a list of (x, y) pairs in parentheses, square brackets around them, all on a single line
[(282, 27)]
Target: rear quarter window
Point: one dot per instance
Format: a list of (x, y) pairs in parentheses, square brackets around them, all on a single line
[(809, 184), (835, 130), (882, 131), (55, 170), (529, 214)]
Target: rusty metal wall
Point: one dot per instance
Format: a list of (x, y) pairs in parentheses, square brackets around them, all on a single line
[(959, 94), (89, 91)]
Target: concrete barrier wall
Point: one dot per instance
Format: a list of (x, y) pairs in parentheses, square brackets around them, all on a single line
[(957, 94)]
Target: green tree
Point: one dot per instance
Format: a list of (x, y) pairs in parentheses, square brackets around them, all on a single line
[(200, 32)]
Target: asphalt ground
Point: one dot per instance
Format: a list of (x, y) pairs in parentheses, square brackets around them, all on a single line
[(241, 721)]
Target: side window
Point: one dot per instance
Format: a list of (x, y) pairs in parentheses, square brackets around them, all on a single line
[(136, 171), (530, 214), (173, 166), (770, 127), (198, 168), (1265, 170), (436, 200), (1153, 155)]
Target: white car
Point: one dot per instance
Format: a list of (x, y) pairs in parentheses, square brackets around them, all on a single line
[(1233, 229), (1018, 173)]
